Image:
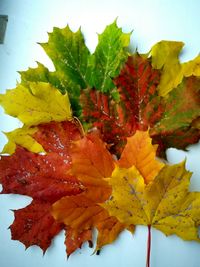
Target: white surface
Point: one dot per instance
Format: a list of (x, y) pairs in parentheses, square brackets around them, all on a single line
[(152, 21)]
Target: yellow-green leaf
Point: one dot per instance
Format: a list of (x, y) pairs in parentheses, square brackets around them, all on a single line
[(36, 104), (22, 137)]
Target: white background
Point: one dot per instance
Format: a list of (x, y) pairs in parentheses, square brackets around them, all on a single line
[(152, 21)]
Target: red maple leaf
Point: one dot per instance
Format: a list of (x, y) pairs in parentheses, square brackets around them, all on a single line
[(45, 178)]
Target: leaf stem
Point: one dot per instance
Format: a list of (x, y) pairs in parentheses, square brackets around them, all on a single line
[(148, 247)]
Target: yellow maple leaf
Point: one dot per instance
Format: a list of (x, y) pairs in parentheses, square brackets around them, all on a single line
[(36, 104), (165, 203)]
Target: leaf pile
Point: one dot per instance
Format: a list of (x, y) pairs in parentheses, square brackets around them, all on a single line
[(92, 131)]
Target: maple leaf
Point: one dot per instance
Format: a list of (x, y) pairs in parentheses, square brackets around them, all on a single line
[(45, 178), (91, 164), (141, 107), (101, 112), (165, 56), (165, 203)]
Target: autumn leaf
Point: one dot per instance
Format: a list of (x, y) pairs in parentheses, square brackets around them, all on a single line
[(38, 103), (45, 178), (33, 104), (165, 203), (90, 153), (192, 67), (71, 56), (91, 164), (82, 213), (101, 112), (34, 225)]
